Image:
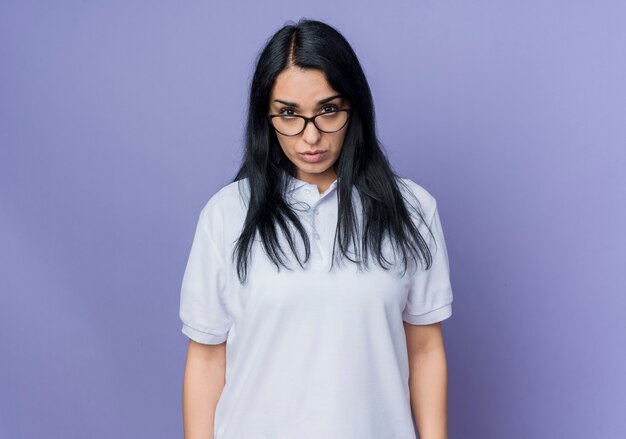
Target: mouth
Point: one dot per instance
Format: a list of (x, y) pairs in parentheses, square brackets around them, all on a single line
[(313, 156)]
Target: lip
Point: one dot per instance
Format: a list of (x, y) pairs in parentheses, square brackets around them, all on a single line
[(313, 156)]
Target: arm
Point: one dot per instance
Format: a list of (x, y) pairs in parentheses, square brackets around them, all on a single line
[(428, 379), (203, 382)]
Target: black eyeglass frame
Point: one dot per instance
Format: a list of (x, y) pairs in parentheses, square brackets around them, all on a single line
[(310, 119)]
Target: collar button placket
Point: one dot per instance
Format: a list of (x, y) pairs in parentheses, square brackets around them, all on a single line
[(314, 227), (311, 197)]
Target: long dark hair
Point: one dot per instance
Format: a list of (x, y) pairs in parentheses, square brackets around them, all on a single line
[(312, 44)]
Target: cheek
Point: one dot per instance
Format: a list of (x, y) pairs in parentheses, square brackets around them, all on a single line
[(338, 143), (287, 146)]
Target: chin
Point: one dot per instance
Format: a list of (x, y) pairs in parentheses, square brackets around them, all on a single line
[(312, 167), (319, 166)]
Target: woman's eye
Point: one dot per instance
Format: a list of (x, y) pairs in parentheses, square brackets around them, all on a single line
[(330, 107), (284, 111)]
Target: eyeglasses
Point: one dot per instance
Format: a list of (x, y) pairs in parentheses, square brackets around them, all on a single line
[(294, 124)]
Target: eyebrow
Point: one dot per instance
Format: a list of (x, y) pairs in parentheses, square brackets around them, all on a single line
[(323, 101)]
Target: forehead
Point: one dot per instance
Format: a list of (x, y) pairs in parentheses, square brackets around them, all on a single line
[(303, 86)]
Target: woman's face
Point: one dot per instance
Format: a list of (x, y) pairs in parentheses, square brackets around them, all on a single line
[(306, 92)]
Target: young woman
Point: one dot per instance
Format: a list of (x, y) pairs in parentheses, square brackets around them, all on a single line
[(317, 278)]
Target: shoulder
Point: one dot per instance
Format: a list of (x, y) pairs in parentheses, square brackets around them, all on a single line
[(418, 196), (228, 196), (227, 206)]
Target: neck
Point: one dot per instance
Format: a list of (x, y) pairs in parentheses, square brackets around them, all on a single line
[(322, 181)]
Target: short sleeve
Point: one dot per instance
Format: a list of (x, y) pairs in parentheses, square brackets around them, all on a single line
[(203, 310), (430, 294)]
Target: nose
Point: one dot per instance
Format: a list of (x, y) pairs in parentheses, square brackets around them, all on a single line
[(311, 134)]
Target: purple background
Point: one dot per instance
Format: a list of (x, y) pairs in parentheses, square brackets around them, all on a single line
[(119, 119)]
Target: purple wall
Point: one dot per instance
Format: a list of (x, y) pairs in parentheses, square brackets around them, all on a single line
[(119, 120)]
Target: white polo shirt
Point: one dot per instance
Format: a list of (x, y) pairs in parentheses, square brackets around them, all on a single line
[(311, 354)]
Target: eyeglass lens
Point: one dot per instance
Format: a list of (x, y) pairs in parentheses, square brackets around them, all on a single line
[(292, 125)]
